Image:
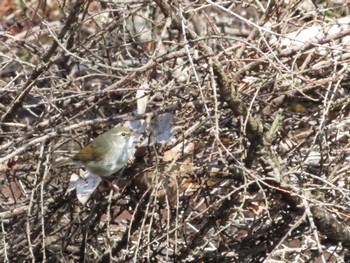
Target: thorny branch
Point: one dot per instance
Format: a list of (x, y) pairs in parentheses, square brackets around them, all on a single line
[(256, 167)]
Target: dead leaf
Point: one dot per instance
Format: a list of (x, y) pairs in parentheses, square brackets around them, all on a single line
[(85, 185), (183, 148)]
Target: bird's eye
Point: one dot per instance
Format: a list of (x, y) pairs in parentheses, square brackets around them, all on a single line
[(123, 134)]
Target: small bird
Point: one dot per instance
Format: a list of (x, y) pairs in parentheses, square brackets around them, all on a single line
[(108, 153)]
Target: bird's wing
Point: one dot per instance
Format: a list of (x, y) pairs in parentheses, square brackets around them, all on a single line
[(90, 153)]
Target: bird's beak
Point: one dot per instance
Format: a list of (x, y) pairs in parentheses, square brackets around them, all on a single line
[(135, 133)]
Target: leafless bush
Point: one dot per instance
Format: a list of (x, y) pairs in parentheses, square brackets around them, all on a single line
[(256, 169)]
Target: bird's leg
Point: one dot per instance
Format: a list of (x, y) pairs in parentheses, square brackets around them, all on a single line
[(131, 160), (114, 187)]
